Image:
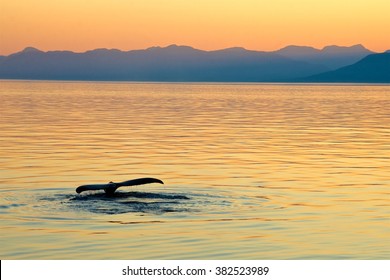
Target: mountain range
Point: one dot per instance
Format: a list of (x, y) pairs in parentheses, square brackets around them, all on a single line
[(186, 64), (374, 68), (332, 57)]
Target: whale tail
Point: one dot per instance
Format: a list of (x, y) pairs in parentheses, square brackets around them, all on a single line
[(111, 187)]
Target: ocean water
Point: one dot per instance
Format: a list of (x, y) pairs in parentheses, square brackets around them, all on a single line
[(251, 171)]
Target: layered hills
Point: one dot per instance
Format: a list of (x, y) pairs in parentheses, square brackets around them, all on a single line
[(374, 68), (186, 64)]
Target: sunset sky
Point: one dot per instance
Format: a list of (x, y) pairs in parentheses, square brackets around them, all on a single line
[(81, 25)]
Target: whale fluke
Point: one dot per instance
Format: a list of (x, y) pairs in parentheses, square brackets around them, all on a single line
[(111, 187)]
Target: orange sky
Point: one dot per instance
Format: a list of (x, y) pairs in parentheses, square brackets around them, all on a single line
[(80, 25)]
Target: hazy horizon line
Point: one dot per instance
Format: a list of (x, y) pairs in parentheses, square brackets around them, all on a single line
[(206, 50)]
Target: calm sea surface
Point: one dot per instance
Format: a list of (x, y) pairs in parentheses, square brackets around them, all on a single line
[(251, 171)]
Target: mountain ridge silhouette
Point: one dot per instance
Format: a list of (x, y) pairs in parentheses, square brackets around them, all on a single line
[(175, 63), (374, 68)]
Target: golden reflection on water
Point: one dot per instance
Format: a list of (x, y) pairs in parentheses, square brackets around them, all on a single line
[(251, 171)]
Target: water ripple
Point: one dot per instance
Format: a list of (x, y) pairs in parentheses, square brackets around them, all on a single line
[(251, 170)]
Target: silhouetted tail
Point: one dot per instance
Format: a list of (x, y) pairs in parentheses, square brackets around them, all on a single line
[(140, 181), (111, 187)]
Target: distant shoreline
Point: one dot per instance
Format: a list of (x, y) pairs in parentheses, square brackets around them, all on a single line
[(196, 83), (178, 64)]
